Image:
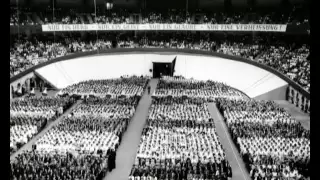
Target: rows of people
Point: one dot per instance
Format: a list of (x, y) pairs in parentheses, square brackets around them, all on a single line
[(120, 16), (162, 109), (32, 165), (179, 86), (126, 86), (293, 61), (25, 54), (272, 144), (29, 115), (82, 145), (179, 141)]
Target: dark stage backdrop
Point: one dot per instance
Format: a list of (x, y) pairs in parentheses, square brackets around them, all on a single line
[(164, 69)]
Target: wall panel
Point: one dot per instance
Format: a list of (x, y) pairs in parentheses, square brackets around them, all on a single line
[(248, 78)]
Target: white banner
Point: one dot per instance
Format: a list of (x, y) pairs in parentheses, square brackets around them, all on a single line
[(165, 27)]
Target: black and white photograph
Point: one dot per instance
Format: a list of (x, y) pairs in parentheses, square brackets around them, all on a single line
[(160, 90)]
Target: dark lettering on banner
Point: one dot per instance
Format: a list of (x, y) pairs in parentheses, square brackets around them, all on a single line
[(80, 27), (103, 27), (134, 26), (181, 27), (226, 27), (54, 27), (153, 26), (212, 27)]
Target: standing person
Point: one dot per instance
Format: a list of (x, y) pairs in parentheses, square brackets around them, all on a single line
[(149, 89), (229, 170), (112, 160)]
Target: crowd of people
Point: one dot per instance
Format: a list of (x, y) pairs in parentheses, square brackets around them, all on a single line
[(178, 86), (25, 54), (96, 124), (272, 144), (83, 144), (29, 115), (32, 165), (22, 16), (123, 86), (291, 60), (179, 140)]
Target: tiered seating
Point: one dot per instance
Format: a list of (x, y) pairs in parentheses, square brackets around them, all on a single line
[(29, 115), (127, 86), (291, 61), (272, 144), (179, 86), (178, 16), (25, 54), (82, 143), (93, 125), (179, 140), (39, 165)]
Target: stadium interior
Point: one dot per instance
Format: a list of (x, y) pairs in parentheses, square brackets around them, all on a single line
[(159, 90)]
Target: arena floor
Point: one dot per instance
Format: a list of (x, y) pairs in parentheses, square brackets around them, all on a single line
[(127, 150)]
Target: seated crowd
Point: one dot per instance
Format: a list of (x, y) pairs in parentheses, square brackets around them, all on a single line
[(295, 15), (127, 86), (79, 146), (33, 165), (293, 61), (179, 140), (272, 144), (28, 116), (25, 54), (88, 129), (209, 90)]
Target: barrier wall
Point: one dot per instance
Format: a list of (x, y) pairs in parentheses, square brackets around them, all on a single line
[(247, 78), (250, 79), (64, 73)]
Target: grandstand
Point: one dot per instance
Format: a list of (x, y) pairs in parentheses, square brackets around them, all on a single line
[(150, 90)]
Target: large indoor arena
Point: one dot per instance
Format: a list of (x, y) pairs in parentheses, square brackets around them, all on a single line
[(159, 90)]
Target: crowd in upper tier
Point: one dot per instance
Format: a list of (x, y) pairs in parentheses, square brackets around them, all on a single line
[(25, 16), (272, 144), (126, 86), (81, 145), (29, 115), (292, 59)]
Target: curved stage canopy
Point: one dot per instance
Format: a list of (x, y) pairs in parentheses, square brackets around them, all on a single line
[(250, 77)]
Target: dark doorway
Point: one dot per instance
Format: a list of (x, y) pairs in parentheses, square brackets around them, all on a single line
[(162, 69)]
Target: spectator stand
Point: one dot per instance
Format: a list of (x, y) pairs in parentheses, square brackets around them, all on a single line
[(103, 118), (258, 128), (30, 117), (171, 112)]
